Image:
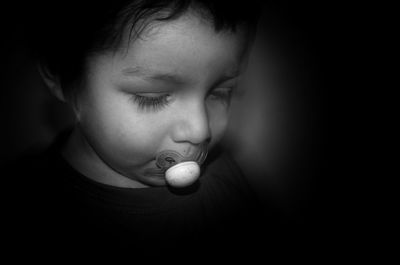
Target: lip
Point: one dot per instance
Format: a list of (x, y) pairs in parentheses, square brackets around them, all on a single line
[(156, 172), (154, 180), (154, 176)]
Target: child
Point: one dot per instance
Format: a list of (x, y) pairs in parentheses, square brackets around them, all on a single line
[(149, 83)]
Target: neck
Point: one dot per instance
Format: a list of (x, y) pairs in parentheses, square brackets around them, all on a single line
[(81, 156)]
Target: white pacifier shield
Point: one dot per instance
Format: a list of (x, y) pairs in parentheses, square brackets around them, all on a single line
[(182, 174)]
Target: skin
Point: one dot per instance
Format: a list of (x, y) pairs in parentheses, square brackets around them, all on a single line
[(184, 61)]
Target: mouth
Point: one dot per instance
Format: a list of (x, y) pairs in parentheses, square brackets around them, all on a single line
[(154, 172), (168, 158)]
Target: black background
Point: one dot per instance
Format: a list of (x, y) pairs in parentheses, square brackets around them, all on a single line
[(312, 35)]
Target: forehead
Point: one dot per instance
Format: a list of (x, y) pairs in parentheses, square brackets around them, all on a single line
[(188, 47)]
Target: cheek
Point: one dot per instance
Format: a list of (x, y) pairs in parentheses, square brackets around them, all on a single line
[(139, 138), (218, 120), (118, 133)]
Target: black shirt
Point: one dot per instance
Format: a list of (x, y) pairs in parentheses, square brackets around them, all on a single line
[(54, 206)]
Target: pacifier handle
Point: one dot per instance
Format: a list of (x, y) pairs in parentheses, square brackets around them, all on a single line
[(183, 174), (181, 171)]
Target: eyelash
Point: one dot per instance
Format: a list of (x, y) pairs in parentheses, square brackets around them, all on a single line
[(157, 103), (150, 103), (223, 96)]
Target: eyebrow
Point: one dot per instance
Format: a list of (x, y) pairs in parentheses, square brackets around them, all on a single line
[(229, 76), (174, 79), (154, 75)]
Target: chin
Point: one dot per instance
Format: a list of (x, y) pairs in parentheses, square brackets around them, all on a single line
[(153, 181)]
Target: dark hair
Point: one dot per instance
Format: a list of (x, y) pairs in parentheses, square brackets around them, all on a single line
[(66, 33)]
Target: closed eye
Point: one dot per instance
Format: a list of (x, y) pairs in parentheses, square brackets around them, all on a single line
[(222, 94), (150, 101)]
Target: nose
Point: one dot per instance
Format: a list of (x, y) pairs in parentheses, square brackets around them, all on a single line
[(192, 124)]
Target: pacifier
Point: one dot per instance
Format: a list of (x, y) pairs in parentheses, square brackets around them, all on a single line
[(181, 171)]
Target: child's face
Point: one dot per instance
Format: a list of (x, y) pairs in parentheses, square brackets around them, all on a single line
[(168, 90)]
